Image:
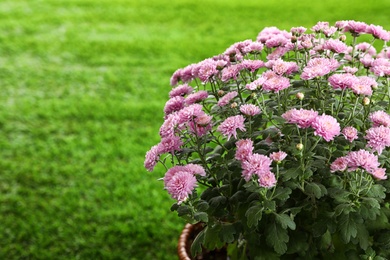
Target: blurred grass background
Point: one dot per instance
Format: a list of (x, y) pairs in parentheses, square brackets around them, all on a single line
[(82, 88)]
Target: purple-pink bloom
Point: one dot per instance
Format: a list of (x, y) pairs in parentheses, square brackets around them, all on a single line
[(253, 47), (181, 186), (230, 125), (340, 164), (281, 67), (151, 158), (226, 98), (350, 133), (318, 67), (256, 83), (174, 104), (267, 180), (244, 149), (378, 138), (302, 117), (356, 28), (190, 112), (381, 67), (250, 110), (255, 164), (362, 159), (231, 72), (195, 169), (342, 81), (196, 97), (274, 82), (169, 126), (207, 69), (278, 156), (326, 126), (378, 32), (380, 118), (252, 65), (181, 90), (320, 26), (335, 45), (379, 173), (169, 144)]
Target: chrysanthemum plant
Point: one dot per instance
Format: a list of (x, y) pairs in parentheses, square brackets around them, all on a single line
[(280, 146)]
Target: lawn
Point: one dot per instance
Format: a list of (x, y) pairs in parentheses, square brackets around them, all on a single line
[(83, 86)]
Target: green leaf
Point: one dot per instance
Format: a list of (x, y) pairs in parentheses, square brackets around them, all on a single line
[(285, 221), (348, 227), (344, 208), (196, 246), (277, 237), (282, 193), (363, 236), (201, 216), (202, 205), (254, 215), (377, 191), (227, 233), (292, 173), (314, 189)]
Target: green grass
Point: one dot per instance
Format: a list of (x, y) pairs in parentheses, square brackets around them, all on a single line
[(83, 84)]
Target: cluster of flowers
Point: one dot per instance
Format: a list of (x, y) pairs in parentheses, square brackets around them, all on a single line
[(249, 75)]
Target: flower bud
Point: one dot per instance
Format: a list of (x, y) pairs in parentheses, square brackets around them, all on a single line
[(221, 93), (366, 101), (299, 147), (300, 96), (233, 105), (343, 38)]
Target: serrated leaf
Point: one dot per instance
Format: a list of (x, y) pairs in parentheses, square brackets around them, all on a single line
[(254, 215), (201, 216), (377, 191), (227, 233), (363, 236), (285, 221), (348, 227), (277, 237), (196, 246), (282, 193), (312, 188), (202, 205)]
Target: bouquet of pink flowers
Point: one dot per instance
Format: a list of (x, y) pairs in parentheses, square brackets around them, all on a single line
[(280, 146)]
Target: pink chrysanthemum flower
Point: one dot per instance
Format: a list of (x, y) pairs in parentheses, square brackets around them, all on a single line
[(244, 149), (302, 117), (318, 67), (329, 32), (340, 164), (190, 112), (181, 186), (281, 67), (253, 47), (326, 126), (356, 28), (169, 126), (361, 89), (342, 81), (362, 159), (181, 90), (365, 48), (200, 125), (151, 158), (252, 65), (196, 97), (250, 110), (174, 104), (267, 180), (378, 138), (227, 98), (350, 133), (336, 46), (176, 77), (255, 164), (379, 173), (278, 156), (378, 32), (320, 26), (380, 118), (230, 125), (349, 70), (274, 82), (256, 83), (381, 67), (207, 69), (231, 72), (298, 31), (195, 169), (170, 144)]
